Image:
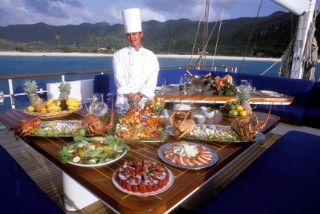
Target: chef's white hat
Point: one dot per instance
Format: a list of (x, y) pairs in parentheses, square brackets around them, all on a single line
[(132, 20)]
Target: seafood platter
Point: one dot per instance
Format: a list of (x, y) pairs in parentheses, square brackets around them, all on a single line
[(60, 128), (188, 155), (215, 133)]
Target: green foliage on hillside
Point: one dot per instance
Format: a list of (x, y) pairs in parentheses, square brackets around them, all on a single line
[(270, 36)]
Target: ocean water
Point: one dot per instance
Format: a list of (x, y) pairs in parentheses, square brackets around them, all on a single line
[(22, 65)]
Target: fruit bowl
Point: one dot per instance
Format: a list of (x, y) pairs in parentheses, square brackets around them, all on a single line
[(229, 117)]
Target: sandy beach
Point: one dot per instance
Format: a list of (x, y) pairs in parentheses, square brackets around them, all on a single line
[(15, 53)]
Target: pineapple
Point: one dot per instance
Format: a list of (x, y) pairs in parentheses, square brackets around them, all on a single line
[(244, 97), (64, 89), (31, 88)]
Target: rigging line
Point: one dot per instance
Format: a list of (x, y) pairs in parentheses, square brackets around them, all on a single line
[(250, 37), (211, 33), (271, 66), (218, 36), (195, 41)]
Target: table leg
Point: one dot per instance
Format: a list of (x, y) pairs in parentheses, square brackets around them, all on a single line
[(76, 197)]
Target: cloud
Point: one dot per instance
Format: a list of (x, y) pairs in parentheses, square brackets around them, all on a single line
[(54, 12)]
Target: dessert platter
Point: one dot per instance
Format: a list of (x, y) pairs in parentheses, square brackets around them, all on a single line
[(93, 151), (142, 178), (188, 155)]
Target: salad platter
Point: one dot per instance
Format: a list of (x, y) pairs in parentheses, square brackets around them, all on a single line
[(93, 151), (60, 128), (215, 133), (188, 155)]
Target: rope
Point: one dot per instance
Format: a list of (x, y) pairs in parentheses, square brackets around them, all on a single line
[(250, 37), (271, 66), (195, 41)]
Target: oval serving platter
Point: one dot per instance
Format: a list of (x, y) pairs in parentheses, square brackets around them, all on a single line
[(212, 134), (99, 152), (60, 128), (195, 167)]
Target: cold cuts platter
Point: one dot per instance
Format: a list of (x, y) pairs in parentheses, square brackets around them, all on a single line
[(142, 178), (188, 155)]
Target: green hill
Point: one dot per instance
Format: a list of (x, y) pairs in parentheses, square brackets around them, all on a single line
[(270, 36)]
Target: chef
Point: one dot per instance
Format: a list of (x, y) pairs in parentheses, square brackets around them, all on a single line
[(135, 68)]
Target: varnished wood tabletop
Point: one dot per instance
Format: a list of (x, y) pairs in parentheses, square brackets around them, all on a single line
[(98, 180), (173, 94)]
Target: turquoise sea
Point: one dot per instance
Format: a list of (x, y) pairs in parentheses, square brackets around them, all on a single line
[(22, 65)]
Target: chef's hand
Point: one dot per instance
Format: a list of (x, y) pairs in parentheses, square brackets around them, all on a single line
[(135, 96)]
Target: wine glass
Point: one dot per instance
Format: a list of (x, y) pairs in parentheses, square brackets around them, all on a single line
[(1, 97), (164, 86)]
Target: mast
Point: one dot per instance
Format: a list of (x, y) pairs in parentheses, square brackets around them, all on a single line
[(305, 9)]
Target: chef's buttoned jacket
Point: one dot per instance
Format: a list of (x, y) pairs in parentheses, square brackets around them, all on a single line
[(135, 71)]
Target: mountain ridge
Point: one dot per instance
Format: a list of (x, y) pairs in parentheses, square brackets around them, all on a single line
[(270, 35)]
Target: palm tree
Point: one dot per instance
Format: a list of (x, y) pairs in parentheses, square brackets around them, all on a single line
[(173, 42), (58, 37), (104, 36), (90, 37), (98, 40)]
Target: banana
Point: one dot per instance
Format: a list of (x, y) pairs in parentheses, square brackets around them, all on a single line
[(72, 100), (49, 101), (72, 107), (51, 107), (74, 104)]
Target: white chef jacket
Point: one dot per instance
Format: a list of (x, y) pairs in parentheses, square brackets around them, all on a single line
[(134, 71)]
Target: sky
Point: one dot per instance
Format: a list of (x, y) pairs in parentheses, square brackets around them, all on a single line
[(74, 12)]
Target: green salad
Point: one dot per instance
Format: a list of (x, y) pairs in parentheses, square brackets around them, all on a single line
[(93, 150)]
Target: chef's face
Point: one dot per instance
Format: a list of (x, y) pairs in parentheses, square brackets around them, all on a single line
[(135, 39)]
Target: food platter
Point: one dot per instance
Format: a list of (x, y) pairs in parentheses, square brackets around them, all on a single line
[(170, 182), (270, 93), (60, 128), (267, 92), (174, 85), (135, 128), (215, 133), (51, 115), (89, 153), (213, 160)]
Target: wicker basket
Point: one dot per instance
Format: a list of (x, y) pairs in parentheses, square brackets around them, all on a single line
[(52, 115)]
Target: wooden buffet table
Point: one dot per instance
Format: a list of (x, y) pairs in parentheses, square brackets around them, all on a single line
[(174, 95), (98, 180)]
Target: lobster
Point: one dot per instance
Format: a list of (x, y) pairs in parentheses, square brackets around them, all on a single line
[(96, 125)]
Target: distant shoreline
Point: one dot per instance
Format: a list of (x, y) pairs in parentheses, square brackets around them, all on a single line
[(76, 54)]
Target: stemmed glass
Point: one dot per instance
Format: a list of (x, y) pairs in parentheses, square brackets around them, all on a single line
[(163, 86), (1, 97)]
